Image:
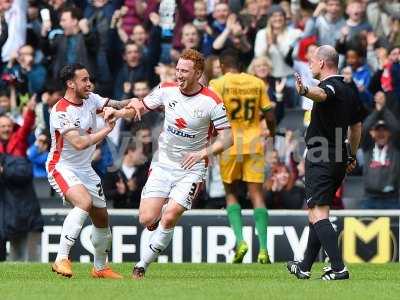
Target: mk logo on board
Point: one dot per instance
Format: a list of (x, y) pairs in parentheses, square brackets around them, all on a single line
[(360, 237)]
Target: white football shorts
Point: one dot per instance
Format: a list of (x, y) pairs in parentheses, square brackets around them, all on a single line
[(169, 182), (62, 178)]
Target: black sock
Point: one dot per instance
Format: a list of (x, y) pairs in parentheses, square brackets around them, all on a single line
[(313, 246), (328, 237)]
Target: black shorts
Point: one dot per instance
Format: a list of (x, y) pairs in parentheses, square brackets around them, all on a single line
[(322, 180)]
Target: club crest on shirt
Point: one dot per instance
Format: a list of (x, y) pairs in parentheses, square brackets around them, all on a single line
[(180, 123), (198, 113)]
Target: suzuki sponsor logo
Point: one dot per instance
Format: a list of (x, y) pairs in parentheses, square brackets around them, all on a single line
[(180, 133)]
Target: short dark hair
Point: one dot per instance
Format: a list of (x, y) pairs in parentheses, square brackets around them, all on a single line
[(131, 147), (75, 12), (142, 80), (358, 50), (68, 72), (130, 43), (230, 59)]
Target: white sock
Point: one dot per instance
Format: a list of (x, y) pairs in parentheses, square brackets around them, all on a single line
[(70, 231), (101, 240), (157, 243)]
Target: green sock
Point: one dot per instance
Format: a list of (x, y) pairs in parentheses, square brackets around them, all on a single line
[(235, 220), (261, 219)]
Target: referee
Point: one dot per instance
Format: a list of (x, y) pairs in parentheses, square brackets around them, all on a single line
[(336, 116)]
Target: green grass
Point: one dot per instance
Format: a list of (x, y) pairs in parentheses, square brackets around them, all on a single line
[(198, 281)]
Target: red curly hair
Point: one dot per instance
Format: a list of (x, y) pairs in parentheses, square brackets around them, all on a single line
[(196, 57)]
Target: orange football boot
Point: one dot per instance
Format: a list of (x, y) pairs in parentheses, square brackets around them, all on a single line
[(105, 273), (63, 267)]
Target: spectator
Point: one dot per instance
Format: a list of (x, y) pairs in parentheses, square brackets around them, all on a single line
[(134, 69), (380, 14), (381, 160), (8, 103), (29, 75), (136, 12), (361, 74), (261, 67), (99, 14), (234, 38), (102, 159), (190, 40), (53, 92), (173, 15), (21, 221), (124, 187), (220, 16), (34, 25), (37, 154), (275, 42), (15, 12), (77, 43), (328, 22), (204, 29), (139, 36), (212, 69), (279, 187), (166, 72), (356, 23)]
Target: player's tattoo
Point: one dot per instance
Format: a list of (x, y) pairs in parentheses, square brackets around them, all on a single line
[(117, 104)]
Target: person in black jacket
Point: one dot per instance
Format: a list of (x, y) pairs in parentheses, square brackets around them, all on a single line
[(77, 44), (124, 187), (20, 219), (381, 169), (336, 115)]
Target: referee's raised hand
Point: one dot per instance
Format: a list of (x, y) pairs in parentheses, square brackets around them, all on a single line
[(300, 87)]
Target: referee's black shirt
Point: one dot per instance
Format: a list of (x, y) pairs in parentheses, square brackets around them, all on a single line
[(341, 109)]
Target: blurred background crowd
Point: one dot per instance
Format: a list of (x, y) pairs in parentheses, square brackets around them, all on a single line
[(130, 46)]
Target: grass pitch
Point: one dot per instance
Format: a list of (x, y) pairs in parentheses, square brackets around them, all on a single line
[(198, 281)]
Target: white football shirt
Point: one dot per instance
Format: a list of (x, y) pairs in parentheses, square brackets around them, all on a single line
[(66, 116), (189, 121)]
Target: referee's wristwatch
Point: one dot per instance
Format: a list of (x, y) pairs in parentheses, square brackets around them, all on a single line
[(350, 159), (305, 91)]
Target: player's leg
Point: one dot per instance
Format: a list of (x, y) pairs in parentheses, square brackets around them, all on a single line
[(313, 181), (79, 197), (313, 245), (155, 195), (185, 189), (323, 227), (101, 239), (302, 270), (101, 234), (260, 215), (161, 238), (253, 174), (230, 167), (150, 210), (329, 241)]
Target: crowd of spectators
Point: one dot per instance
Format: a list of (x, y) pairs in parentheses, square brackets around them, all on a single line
[(130, 46)]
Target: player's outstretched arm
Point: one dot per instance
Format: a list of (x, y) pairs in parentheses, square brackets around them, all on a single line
[(313, 93), (223, 141), (118, 104), (81, 142)]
